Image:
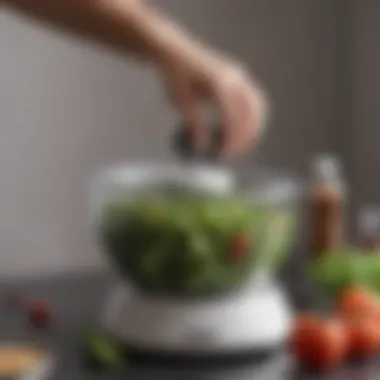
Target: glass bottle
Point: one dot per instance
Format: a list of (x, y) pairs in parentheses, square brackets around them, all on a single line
[(327, 203)]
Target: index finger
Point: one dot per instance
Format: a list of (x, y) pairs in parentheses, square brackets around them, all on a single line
[(225, 101)]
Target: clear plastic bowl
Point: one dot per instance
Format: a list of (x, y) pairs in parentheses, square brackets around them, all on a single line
[(193, 230)]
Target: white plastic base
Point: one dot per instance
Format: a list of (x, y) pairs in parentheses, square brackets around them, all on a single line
[(248, 321)]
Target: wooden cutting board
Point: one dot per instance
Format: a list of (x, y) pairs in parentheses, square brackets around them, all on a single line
[(17, 361)]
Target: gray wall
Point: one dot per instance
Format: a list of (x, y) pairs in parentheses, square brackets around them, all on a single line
[(67, 107), (365, 142)]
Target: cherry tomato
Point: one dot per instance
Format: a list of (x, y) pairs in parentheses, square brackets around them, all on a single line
[(240, 246), (317, 344), (376, 317), (40, 313), (356, 302), (363, 337)]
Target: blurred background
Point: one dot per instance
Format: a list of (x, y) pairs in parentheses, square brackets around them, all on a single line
[(67, 108)]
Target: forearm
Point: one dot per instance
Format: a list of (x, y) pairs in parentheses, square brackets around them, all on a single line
[(128, 25)]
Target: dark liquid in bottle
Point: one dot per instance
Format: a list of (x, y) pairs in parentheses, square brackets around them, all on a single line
[(326, 220)]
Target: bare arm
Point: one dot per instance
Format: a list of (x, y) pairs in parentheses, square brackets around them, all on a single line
[(194, 74), (131, 26)]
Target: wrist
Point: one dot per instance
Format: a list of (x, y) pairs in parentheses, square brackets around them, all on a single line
[(164, 40)]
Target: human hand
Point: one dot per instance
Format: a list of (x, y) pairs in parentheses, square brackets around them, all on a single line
[(196, 77)]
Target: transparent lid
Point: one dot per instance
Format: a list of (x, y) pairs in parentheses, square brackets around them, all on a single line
[(254, 183), (155, 176), (265, 185)]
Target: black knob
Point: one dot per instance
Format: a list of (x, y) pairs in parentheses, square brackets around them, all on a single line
[(184, 147), (182, 143), (215, 149)]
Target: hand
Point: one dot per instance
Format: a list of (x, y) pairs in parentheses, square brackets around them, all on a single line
[(196, 77)]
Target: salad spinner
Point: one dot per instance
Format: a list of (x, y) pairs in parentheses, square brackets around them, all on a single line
[(196, 250)]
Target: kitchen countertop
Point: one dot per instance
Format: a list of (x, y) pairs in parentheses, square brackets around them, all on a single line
[(78, 302)]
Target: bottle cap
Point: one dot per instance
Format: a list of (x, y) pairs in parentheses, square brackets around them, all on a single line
[(326, 168)]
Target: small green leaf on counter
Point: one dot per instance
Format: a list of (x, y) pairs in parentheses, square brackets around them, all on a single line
[(101, 352)]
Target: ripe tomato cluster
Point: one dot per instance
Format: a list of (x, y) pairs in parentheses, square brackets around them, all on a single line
[(239, 248), (353, 332), (39, 312)]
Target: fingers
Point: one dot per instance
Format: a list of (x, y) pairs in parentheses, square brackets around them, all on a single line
[(228, 111), (255, 109), (243, 109), (241, 106), (244, 128)]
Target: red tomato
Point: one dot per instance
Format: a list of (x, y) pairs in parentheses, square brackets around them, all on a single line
[(356, 302), (239, 247), (363, 337), (376, 317), (317, 344), (40, 313)]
